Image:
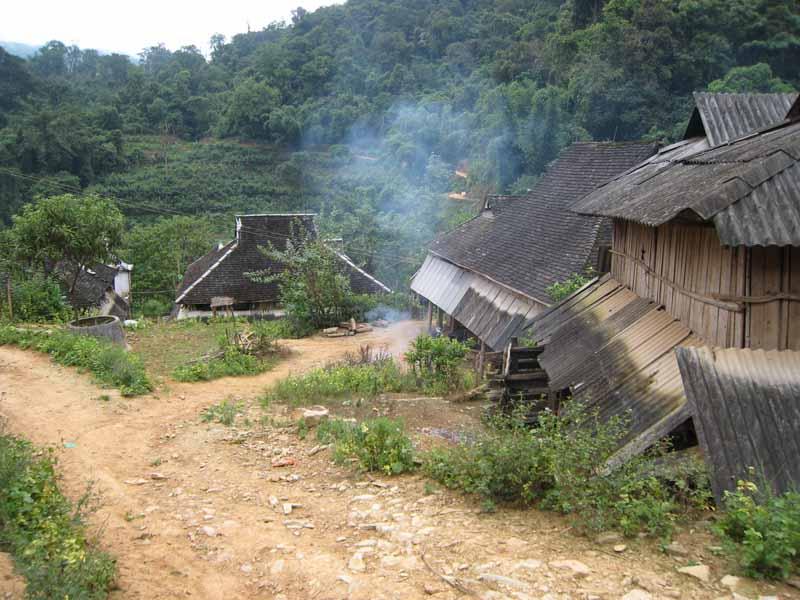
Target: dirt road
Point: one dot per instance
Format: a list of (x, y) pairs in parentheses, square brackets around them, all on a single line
[(197, 510)]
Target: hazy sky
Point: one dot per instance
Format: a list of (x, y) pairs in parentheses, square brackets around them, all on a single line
[(128, 27)]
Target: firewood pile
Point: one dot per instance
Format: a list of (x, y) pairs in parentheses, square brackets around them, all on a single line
[(347, 328)]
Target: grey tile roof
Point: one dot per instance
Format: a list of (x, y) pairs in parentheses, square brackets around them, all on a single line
[(750, 188), (527, 243), (745, 405), (726, 117), (221, 272)]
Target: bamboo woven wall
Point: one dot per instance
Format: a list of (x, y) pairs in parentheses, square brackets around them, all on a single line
[(774, 325), (685, 268)]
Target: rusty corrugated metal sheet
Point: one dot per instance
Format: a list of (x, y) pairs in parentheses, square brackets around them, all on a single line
[(615, 351), (749, 188), (746, 409), (490, 311), (727, 117)]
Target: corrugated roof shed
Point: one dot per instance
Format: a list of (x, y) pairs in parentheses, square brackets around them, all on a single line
[(726, 117), (527, 243), (488, 310), (746, 410), (221, 272), (750, 188), (614, 350)]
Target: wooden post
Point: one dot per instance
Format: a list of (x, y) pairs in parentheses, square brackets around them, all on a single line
[(481, 360), (10, 300), (439, 319), (430, 316)]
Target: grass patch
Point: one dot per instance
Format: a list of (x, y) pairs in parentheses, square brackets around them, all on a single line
[(379, 445), (110, 364), (42, 530), (559, 466), (231, 364), (225, 412), (761, 531)]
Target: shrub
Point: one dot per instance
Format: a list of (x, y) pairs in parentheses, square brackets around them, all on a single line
[(762, 530), (377, 444), (436, 363), (42, 531), (340, 380), (561, 465), (225, 412), (155, 307), (110, 364), (561, 289), (232, 363), (38, 299)]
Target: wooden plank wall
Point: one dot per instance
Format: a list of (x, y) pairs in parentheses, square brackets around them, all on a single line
[(663, 263), (775, 325)]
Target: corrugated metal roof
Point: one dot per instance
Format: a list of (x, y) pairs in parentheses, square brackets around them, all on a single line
[(490, 311), (745, 405), (614, 350), (727, 117), (750, 188)]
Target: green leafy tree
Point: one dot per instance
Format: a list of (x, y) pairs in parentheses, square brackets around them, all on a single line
[(161, 251), (79, 230), (313, 289), (752, 79)]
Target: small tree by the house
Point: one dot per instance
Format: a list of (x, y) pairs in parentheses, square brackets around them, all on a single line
[(561, 289), (313, 290), (78, 230)]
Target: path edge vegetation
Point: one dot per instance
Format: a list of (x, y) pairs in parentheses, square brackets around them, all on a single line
[(45, 534)]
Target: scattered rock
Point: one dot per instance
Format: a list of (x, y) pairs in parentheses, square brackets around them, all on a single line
[(794, 582), (277, 567), (609, 537), (287, 508), (138, 481), (356, 563), (620, 548), (509, 582), (157, 476), (530, 564), (286, 461), (637, 594), (318, 449), (701, 572), (676, 549), (432, 590), (246, 568), (577, 568), (314, 415), (730, 581), (209, 531)]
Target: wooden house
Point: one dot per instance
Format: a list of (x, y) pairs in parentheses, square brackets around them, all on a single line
[(218, 281), (490, 275), (705, 252)]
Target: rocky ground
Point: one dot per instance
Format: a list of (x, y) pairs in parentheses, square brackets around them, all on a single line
[(192, 509)]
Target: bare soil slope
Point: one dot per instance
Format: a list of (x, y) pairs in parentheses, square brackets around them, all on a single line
[(197, 510)]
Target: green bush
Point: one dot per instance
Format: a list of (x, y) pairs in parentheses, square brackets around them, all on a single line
[(110, 364), (436, 362), (42, 531), (377, 444), (38, 299), (561, 465), (225, 412), (340, 380), (561, 289), (155, 307), (762, 530), (231, 364)]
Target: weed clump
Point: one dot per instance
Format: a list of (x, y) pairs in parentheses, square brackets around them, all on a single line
[(110, 364), (762, 530), (561, 465), (225, 412), (43, 532), (376, 445), (436, 363)]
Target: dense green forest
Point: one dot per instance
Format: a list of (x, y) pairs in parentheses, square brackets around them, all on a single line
[(362, 111)]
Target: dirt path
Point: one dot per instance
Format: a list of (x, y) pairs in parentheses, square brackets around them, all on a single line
[(212, 524)]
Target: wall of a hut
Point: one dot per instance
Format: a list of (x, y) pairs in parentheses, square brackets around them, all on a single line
[(774, 325), (685, 268)]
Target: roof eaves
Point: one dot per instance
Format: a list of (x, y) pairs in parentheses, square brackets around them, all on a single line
[(492, 279), (346, 259), (208, 271)]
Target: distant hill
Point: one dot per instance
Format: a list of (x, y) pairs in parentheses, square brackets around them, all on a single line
[(19, 49)]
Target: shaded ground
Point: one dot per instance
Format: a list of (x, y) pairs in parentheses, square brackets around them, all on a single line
[(211, 524)]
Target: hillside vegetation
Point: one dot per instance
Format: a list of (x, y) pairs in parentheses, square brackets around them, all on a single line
[(362, 111)]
